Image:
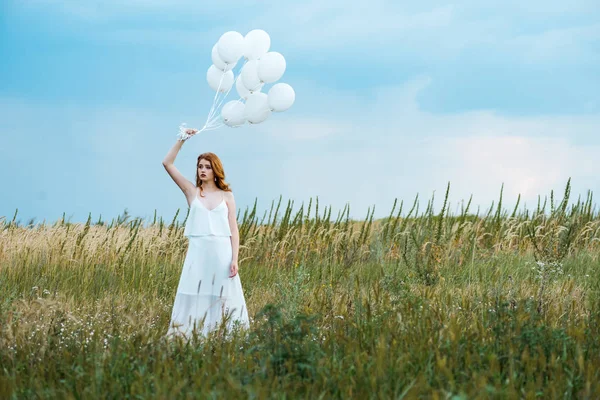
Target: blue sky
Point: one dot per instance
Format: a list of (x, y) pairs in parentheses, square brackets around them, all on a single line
[(392, 99)]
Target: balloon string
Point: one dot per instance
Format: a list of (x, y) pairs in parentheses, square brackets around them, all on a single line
[(213, 105), (215, 121), (213, 117), (211, 128), (210, 125), (212, 109), (234, 83), (216, 118)]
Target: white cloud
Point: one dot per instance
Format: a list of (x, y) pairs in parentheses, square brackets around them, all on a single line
[(473, 165), (572, 45), (327, 25), (98, 10), (303, 129), (515, 32), (419, 152), (527, 165), (363, 152)]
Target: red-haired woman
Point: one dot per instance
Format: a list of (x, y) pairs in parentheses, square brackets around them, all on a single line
[(209, 290)]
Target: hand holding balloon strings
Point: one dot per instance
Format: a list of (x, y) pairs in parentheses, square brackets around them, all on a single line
[(185, 133)]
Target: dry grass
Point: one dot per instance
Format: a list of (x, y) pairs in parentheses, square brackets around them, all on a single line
[(419, 304)]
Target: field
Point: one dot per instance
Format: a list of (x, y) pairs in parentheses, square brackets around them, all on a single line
[(488, 303)]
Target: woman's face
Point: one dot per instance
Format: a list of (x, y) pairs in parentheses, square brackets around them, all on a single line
[(205, 171)]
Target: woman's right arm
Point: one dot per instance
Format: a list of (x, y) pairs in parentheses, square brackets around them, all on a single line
[(185, 185)]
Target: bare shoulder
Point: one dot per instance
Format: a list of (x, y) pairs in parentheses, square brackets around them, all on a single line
[(191, 193), (191, 190), (229, 197)]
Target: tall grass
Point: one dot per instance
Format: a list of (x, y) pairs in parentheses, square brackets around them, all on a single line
[(421, 303)]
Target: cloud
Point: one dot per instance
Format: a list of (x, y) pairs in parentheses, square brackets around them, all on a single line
[(361, 152), (344, 140), (571, 45), (510, 33), (303, 129), (419, 152), (474, 165), (528, 166), (99, 10), (334, 23)]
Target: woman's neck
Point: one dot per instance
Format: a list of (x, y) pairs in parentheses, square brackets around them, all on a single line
[(209, 187)]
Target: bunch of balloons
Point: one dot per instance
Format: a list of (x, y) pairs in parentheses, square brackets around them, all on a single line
[(260, 67)]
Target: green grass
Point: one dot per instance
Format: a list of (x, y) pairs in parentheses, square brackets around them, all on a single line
[(422, 304)]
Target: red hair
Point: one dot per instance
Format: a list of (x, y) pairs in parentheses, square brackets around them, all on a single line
[(217, 167)]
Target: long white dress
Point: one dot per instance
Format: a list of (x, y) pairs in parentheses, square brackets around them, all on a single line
[(206, 294)]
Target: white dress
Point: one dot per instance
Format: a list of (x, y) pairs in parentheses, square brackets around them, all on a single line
[(206, 294)]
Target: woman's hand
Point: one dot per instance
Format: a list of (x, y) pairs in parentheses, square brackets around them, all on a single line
[(234, 269), (185, 133)]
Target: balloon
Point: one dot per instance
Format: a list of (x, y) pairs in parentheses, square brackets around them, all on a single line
[(256, 43), (230, 47), (233, 113), (213, 76), (216, 59), (271, 67), (250, 76), (257, 108), (281, 97), (241, 89)]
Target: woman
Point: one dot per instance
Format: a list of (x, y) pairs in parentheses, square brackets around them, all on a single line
[(209, 291)]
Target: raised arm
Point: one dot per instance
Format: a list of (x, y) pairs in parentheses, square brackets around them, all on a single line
[(184, 184)]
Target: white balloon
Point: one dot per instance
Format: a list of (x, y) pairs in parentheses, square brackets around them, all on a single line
[(214, 75), (281, 97), (241, 89), (216, 59), (250, 76), (271, 67), (257, 108), (231, 46), (233, 113), (256, 43)]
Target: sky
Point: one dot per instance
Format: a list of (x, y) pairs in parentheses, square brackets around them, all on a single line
[(393, 99)]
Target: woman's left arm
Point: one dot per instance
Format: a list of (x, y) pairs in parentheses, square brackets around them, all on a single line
[(235, 232)]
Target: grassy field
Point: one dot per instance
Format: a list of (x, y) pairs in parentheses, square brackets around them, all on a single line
[(421, 304)]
